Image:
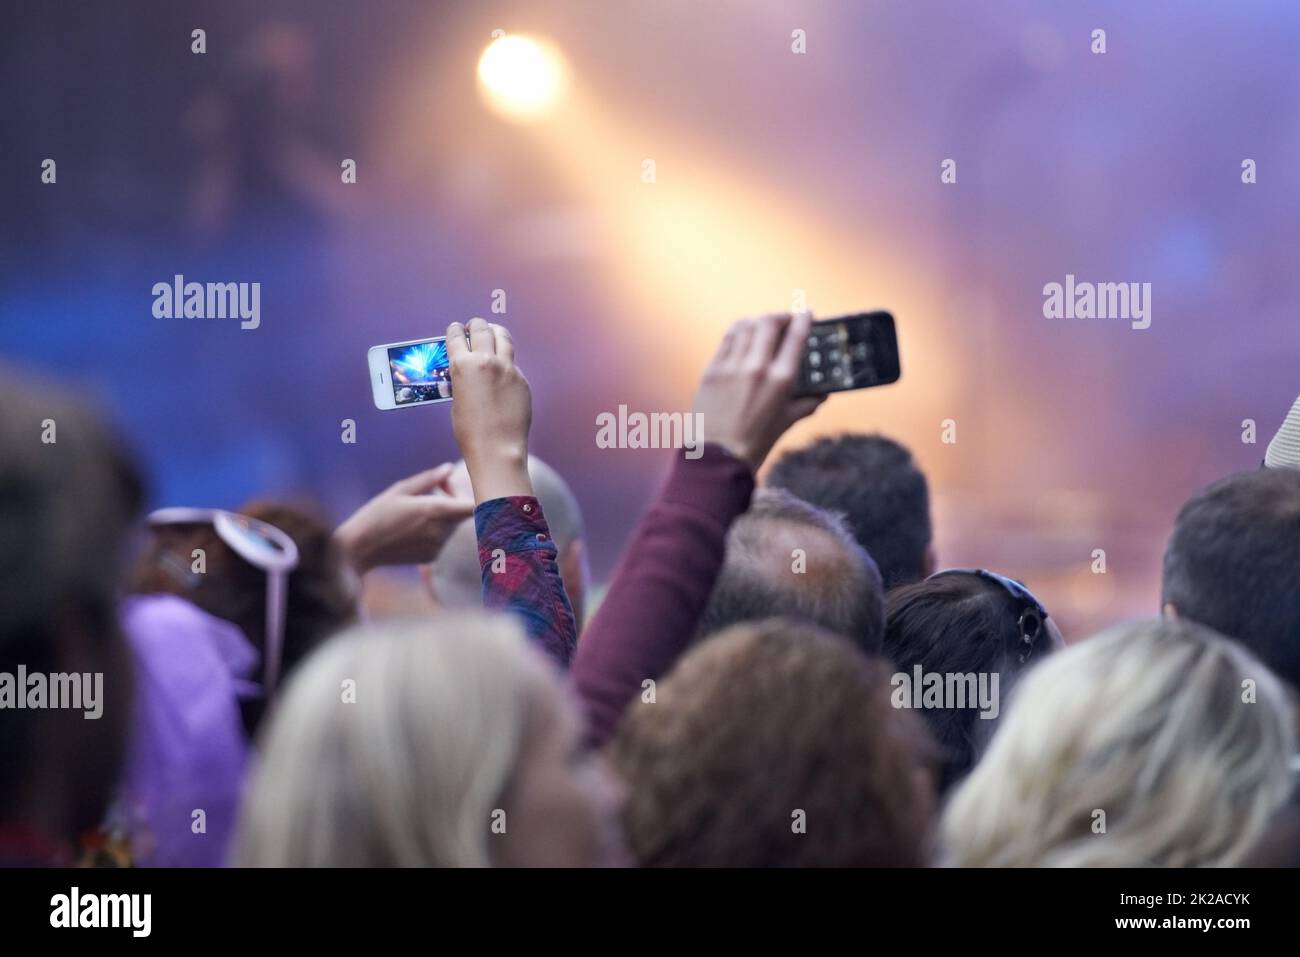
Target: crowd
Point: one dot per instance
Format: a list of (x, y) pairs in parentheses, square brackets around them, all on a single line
[(773, 677)]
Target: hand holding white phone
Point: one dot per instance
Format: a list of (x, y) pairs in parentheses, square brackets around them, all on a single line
[(494, 410)]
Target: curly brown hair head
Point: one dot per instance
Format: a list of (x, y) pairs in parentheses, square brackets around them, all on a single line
[(320, 597), (774, 744)]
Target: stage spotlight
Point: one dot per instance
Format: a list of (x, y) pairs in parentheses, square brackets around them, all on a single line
[(522, 78)]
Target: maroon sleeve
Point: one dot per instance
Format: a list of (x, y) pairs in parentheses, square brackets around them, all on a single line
[(660, 587)]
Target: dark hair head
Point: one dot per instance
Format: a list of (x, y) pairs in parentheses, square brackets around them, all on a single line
[(68, 493), (1233, 563), (958, 623), (787, 558), (320, 597), (875, 484), (759, 725)]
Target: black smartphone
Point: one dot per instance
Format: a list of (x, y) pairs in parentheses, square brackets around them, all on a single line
[(850, 352)]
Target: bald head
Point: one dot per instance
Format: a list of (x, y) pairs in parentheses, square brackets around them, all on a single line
[(455, 577), (786, 558)]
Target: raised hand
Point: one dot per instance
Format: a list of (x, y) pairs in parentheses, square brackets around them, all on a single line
[(746, 394), (406, 524), (492, 410)]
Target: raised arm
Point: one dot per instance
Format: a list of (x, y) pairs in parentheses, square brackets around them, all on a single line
[(666, 573), (491, 416)]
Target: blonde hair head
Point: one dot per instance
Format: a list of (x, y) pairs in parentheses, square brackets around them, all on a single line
[(1153, 744), (392, 746)]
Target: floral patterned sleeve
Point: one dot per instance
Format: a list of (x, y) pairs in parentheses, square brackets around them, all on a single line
[(521, 575)]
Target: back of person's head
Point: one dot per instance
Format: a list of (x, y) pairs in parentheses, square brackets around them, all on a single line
[(426, 744), (1233, 563), (774, 744), (1154, 744), (455, 577), (321, 598), (955, 625), (875, 484), (787, 558), (68, 493)]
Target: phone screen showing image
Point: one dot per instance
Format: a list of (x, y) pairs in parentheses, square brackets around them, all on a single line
[(851, 352), (420, 372)]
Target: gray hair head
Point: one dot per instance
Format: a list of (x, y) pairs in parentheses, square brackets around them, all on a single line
[(789, 559)]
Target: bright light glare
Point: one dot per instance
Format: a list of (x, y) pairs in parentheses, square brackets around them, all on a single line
[(522, 78)]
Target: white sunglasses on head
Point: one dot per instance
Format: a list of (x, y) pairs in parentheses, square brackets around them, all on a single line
[(263, 546)]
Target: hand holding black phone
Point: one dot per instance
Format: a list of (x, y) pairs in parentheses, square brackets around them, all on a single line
[(849, 352)]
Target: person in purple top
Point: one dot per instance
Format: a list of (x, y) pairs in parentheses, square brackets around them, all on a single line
[(188, 750), (201, 686)]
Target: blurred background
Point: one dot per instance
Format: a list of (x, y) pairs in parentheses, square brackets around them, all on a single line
[(775, 174)]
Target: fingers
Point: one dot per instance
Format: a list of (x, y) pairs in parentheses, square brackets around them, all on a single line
[(767, 332), (790, 352), (504, 343), (445, 507), (426, 481), (774, 340), (742, 333), (458, 484), (456, 344), (726, 348), (481, 338)]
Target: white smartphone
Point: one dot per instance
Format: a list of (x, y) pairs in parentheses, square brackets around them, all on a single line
[(406, 374)]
